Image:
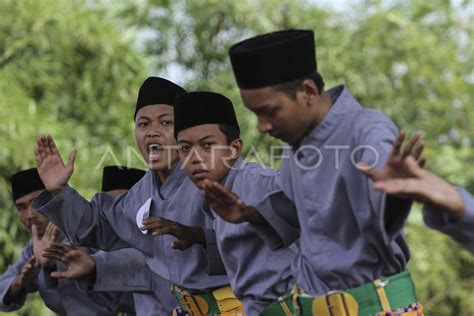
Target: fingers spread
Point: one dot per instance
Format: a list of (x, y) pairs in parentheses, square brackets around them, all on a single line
[(398, 143), (38, 158), (366, 169), (71, 159), (408, 149), (41, 150)]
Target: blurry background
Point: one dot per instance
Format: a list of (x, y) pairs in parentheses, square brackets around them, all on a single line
[(72, 68)]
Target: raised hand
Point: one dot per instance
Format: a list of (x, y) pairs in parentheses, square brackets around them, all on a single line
[(404, 176), (186, 236), (28, 273), (40, 243), (51, 168), (228, 205), (79, 263), (396, 164)]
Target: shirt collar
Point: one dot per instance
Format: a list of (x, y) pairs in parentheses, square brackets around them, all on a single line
[(343, 103), (173, 181), (229, 179)]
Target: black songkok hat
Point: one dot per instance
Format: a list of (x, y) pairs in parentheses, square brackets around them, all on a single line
[(24, 182), (273, 58), (199, 108), (120, 178), (156, 90)]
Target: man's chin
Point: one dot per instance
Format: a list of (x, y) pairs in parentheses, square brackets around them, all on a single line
[(199, 184), (159, 165)]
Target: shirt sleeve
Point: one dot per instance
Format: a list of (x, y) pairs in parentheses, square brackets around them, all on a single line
[(123, 270), (376, 143), (10, 274), (82, 222), (281, 215), (461, 230)]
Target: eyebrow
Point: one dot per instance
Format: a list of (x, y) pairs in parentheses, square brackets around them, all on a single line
[(165, 114), (261, 108), (200, 140), (149, 119), (143, 118), (206, 137)]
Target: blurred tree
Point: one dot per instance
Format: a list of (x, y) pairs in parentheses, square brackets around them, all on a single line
[(69, 69), (67, 64)]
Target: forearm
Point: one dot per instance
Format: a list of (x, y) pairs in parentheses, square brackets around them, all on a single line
[(275, 220), (15, 292), (460, 229), (83, 222)]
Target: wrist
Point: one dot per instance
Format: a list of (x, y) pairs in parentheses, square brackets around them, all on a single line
[(17, 286), (457, 207), (252, 216), (198, 236), (56, 191)]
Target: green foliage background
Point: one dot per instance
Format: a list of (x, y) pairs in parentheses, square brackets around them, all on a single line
[(73, 68)]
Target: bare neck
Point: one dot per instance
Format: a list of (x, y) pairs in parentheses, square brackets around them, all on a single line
[(322, 107), (164, 174)]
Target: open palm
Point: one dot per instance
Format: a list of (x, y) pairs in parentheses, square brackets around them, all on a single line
[(40, 243), (225, 202), (396, 165), (79, 263), (51, 168)]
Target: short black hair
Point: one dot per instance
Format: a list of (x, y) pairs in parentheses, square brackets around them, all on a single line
[(290, 87), (231, 132)]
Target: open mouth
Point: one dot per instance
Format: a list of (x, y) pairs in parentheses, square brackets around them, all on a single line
[(155, 150), (200, 174)]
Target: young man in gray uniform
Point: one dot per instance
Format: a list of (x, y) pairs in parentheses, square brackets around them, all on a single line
[(208, 134), (110, 223), (123, 270), (351, 236)]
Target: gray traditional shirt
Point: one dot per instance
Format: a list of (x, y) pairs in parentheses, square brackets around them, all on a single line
[(110, 223), (62, 297), (349, 235), (125, 270), (461, 230), (258, 275), (50, 297)]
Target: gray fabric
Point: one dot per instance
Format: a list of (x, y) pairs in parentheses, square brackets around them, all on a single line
[(109, 223), (462, 230), (61, 296), (125, 270), (50, 297), (258, 275), (350, 235)]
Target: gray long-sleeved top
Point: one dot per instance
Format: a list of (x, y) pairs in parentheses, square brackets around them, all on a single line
[(461, 230), (258, 275), (110, 223), (62, 297), (349, 233)]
